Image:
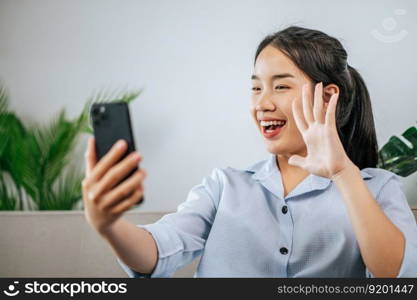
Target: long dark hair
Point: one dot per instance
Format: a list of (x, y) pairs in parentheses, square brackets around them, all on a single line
[(324, 59)]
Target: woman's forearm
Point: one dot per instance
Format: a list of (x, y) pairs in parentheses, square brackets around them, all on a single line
[(133, 245), (381, 243)]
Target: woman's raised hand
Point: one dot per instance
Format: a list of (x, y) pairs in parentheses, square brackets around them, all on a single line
[(326, 156)]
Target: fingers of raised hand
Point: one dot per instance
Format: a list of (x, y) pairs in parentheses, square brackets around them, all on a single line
[(298, 116), (331, 111), (318, 109), (307, 106)]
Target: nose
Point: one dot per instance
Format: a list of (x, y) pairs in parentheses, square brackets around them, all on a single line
[(264, 102)]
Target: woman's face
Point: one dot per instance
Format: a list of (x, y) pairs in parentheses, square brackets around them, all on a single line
[(276, 83)]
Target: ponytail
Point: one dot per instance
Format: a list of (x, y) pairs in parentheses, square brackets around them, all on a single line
[(358, 131)]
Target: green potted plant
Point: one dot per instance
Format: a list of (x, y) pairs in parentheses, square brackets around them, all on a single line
[(397, 157), (35, 170)]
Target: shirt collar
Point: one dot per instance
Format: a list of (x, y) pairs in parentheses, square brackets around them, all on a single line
[(267, 173)]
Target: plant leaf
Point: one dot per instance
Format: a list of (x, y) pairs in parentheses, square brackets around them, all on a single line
[(397, 157), (18, 154), (56, 142), (8, 200), (65, 193)]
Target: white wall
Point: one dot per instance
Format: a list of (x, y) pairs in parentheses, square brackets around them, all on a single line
[(194, 60)]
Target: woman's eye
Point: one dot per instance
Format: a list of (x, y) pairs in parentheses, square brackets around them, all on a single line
[(281, 87), (255, 89)]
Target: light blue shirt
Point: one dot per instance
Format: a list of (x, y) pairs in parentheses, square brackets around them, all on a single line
[(236, 222)]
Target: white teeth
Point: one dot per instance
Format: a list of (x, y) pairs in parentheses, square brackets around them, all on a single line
[(269, 123)]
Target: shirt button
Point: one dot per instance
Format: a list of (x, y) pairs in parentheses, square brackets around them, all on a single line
[(284, 209), (283, 250)]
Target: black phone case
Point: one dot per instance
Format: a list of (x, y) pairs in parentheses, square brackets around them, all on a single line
[(110, 123)]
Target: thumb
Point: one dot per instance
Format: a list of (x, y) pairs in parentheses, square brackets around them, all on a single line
[(297, 160)]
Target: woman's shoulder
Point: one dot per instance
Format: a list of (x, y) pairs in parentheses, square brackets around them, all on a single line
[(380, 175), (381, 179)]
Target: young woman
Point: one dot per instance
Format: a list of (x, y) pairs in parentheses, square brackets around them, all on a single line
[(317, 207)]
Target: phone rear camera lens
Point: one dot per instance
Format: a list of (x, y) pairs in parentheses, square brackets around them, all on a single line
[(96, 111)]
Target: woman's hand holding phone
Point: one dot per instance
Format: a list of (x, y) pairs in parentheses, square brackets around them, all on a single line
[(105, 200)]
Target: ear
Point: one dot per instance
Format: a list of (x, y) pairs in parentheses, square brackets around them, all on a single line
[(328, 91)]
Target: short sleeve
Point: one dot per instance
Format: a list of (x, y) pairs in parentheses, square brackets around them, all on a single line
[(180, 236), (394, 203)]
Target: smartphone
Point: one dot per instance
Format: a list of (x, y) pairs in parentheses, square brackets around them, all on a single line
[(110, 123)]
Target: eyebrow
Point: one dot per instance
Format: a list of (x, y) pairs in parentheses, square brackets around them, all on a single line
[(276, 76)]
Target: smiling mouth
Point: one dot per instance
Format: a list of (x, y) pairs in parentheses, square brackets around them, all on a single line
[(270, 131), (272, 126)]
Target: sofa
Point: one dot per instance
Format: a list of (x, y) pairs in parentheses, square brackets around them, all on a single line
[(62, 244)]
